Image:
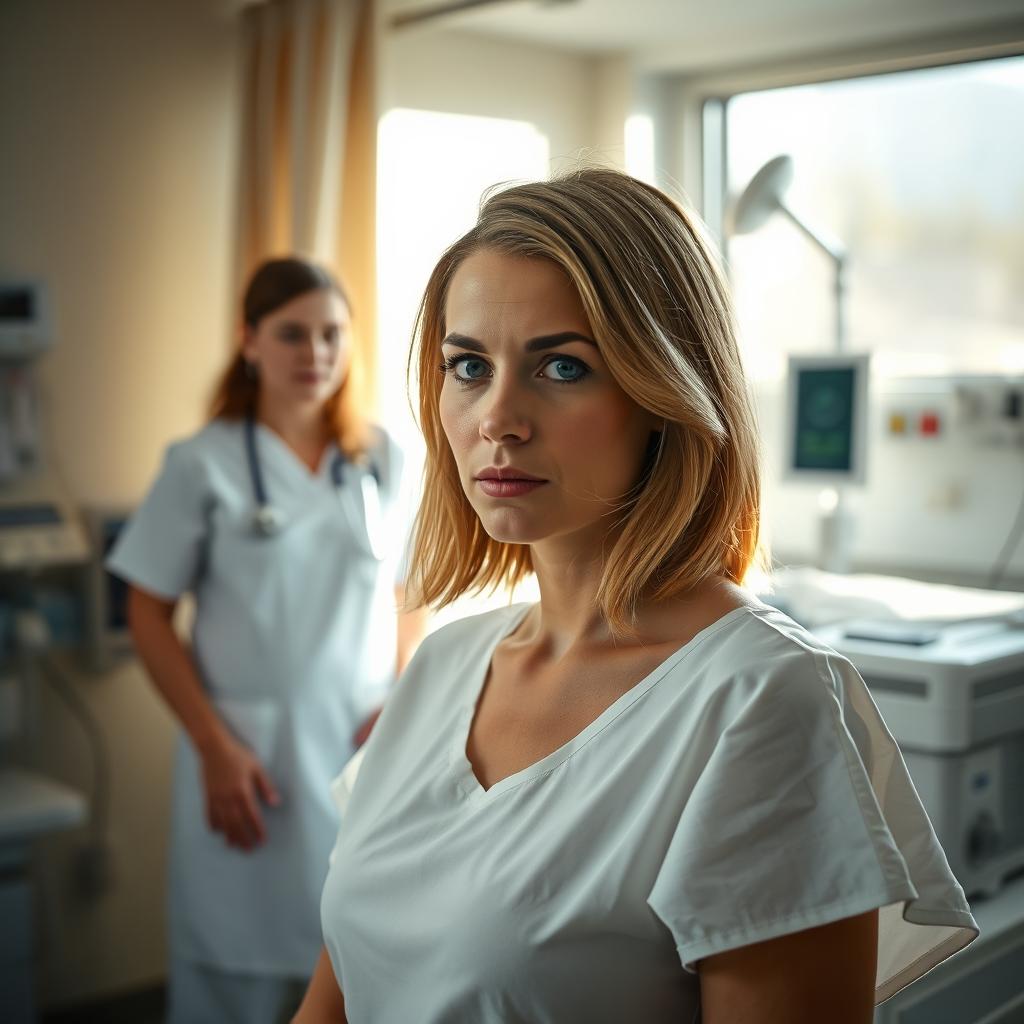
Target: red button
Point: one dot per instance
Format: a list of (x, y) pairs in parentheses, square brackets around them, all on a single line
[(930, 423)]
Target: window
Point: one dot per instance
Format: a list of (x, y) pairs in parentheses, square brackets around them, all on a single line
[(920, 175), (432, 171)]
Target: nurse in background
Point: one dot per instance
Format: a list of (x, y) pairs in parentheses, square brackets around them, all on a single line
[(284, 516)]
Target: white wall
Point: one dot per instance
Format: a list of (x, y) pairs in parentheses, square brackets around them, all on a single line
[(427, 69), (118, 120)]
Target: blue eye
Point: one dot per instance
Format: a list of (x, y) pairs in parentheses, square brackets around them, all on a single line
[(567, 370), (471, 369)]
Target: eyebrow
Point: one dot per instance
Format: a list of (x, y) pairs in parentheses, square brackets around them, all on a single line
[(533, 345)]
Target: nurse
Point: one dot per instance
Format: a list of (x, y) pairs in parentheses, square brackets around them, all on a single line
[(649, 796), (284, 516)]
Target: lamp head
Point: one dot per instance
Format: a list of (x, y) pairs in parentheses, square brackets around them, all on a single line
[(762, 196)]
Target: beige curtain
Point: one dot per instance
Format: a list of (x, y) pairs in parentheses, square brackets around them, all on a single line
[(308, 160)]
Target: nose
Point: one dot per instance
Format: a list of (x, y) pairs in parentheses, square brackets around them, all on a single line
[(321, 348), (505, 416)]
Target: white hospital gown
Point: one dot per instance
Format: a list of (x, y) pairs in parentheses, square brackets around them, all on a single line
[(745, 789)]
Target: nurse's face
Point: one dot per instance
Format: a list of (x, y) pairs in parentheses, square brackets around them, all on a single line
[(301, 349), (545, 440)]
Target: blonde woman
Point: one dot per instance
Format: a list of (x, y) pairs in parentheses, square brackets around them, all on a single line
[(647, 797)]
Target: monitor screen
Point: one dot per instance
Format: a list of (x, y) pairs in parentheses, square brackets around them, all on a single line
[(824, 419), (827, 418)]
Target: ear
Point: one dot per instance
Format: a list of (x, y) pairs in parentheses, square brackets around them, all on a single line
[(248, 345)]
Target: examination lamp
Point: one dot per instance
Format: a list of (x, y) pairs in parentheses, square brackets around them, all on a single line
[(822, 421), (764, 196)]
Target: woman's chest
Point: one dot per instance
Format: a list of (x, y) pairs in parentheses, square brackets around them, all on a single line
[(539, 881), (523, 715)]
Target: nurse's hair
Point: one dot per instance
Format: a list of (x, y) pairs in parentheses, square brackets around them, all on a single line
[(660, 313), (272, 285)]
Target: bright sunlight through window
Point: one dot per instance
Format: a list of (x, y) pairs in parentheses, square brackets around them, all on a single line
[(433, 169)]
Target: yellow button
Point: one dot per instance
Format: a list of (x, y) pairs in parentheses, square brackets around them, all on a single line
[(897, 423)]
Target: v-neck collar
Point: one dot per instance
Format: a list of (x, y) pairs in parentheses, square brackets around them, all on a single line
[(459, 763), (266, 435)]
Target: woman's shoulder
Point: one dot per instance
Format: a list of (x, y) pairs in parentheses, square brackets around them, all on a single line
[(210, 438), (193, 463), (456, 645), (473, 633), (756, 652)]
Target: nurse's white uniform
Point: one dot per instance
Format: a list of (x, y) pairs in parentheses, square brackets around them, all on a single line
[(294, 640), (745, 789)]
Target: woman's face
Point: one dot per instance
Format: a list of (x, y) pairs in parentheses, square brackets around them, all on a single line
[(301, 349), (527, 393)]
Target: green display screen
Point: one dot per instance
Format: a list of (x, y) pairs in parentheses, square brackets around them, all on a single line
[(824, 419)]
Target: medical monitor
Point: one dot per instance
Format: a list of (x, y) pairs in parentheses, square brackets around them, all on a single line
[(826, 421), (108, 638), (26, 327)]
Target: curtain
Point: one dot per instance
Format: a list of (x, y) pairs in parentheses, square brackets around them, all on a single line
[(308, 152)]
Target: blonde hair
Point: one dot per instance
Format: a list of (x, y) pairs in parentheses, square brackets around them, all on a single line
[(661, 316)]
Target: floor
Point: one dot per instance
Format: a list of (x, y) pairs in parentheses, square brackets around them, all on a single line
[(142, 1007)]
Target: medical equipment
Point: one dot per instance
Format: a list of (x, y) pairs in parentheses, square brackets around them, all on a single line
[(107, 635), (269, 520), (952, 694), (30, 807), (41, 544), (764, 196), (827, 415), (39, 527), (826, 440), (26, 325)]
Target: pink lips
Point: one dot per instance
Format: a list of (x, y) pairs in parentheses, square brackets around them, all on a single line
[(507, 482)]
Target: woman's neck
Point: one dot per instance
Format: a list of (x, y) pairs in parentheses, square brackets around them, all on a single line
[(569, 575), (303, 428), (568, 616)]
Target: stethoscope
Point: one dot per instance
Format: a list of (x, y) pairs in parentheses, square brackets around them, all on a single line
[(268, 520)]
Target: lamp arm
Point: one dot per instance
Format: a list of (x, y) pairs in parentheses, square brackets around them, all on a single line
[(828, 245), (837, 253)]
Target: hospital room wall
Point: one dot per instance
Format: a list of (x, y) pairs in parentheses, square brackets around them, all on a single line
[(118, 122), (578, 103)]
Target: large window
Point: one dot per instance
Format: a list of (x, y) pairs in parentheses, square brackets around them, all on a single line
[(920, 175), (432, 171)]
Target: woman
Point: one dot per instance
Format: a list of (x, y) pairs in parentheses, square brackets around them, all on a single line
[(648, 797), (280, 515)]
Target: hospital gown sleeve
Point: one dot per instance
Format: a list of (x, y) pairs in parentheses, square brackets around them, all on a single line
[(804, 814), (161, 548)]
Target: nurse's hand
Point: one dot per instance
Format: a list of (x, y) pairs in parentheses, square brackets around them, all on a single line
[(235, 784)]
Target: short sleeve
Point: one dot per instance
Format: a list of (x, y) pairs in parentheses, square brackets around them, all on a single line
[(161, 548), (342, 785), (804, 814)]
